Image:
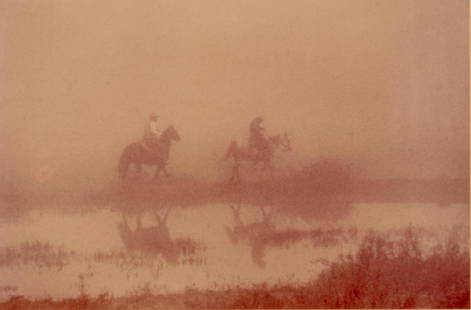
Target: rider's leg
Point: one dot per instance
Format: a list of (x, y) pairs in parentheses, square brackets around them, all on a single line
[(150, 143), (145, 145)]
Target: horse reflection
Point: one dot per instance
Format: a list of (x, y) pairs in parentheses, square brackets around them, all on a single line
[(260, 235), (157, 240), (254, 234)]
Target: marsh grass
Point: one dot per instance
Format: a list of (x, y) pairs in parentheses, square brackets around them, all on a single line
[(395, 273), (38, 253), (388, 270)]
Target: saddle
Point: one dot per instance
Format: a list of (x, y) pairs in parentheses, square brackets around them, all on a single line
[(255, 152), (149, 149)]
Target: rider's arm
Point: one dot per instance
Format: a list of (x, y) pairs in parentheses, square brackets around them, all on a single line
[(154, 129)]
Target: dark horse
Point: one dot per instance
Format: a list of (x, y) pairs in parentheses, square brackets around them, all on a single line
[(264, 156), (136, 154)]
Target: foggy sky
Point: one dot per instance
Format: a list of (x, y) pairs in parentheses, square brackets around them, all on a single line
[(383, 84)]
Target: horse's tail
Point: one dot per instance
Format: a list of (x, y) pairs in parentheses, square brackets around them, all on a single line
[(124, 161), (231, 150)]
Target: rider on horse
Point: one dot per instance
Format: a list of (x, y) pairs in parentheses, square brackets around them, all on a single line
[(151, 133), (257, 140)]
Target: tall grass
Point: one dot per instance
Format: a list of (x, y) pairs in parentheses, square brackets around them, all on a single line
[(389, 270), (388, 273)]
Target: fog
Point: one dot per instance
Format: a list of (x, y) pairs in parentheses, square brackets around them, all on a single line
[(382, 85)]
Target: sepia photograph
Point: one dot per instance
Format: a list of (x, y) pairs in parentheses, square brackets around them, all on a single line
[(239, 154)]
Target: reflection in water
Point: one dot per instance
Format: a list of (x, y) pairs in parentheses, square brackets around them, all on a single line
[(156, 240), (254, 233), (261, 234), (146, 249), (314, 196), (34, 252)]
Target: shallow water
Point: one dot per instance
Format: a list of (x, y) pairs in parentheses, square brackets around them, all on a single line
[(282, 250)]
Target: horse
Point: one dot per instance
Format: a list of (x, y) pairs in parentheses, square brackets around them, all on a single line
[(156, 239), (264, 156), (136, 154)]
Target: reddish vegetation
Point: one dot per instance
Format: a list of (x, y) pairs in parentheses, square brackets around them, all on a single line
[(384, 273)]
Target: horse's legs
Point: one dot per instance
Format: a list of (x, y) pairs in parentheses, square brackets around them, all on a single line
[(124, 163), (235, 177), (257, 167), (262, 171), (163, 169), (231, 179)]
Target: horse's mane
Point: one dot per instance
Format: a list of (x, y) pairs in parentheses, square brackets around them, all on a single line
[(167, 131)]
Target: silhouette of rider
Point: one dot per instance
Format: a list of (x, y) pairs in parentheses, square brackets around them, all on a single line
[(151, 133), (257, 139)]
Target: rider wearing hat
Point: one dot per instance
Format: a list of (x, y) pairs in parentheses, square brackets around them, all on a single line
[(257, 139), (151, 132)]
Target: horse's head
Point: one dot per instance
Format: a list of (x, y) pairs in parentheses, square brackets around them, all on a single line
[(280, 140), (171, 134)]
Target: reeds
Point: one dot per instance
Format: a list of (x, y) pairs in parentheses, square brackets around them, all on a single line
[(38, 253), (389, 270), (395, 273)]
